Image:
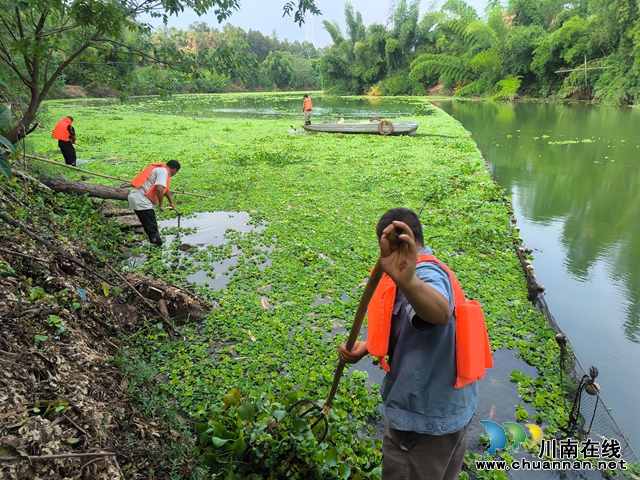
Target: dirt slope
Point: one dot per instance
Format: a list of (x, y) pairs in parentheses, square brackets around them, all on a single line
[(61, 392)]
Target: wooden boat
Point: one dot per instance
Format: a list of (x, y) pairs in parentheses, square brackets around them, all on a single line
[(378, 127)]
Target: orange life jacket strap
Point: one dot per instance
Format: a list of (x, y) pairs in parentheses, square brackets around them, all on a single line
[(143, 176), (473, 352)]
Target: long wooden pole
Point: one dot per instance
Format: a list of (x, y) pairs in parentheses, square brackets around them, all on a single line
[(46, 160), (71, 167), (369, 289)]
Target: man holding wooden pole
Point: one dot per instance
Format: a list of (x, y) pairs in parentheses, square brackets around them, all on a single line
[(150, 188)]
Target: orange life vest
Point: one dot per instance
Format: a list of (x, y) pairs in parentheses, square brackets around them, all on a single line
[(307, 105), (473, 353), (145, 174), (61, 132)]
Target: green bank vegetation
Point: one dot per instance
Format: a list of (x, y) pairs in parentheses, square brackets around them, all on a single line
[(269, 341)]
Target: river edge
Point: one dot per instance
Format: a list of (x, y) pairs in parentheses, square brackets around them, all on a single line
[(470, 225)]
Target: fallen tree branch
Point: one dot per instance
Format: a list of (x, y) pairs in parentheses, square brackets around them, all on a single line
[(9, 252), (81, 188), (38, 458)]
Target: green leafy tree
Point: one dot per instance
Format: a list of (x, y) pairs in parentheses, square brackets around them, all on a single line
[(356, 30), (450, 61), (405, 32), (618, 28), (278, 67), (306, 74), (40, 39)]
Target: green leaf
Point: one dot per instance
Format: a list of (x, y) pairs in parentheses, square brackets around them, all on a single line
[(376, 473), (205, 438), (208, 459), (239, 447), (202, 427), (218, 429), (5, 166), (299, 425), (279, 414), (218, 442), (331, 457), (7, 144), (344, 471), (245, 410), (19, 424), (5, 115), (232, 397)]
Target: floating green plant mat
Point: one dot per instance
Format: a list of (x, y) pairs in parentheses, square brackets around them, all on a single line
[(317, 198)]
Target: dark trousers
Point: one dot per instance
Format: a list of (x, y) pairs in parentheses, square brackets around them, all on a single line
[(150, 225), (415, 456), (68, 152)]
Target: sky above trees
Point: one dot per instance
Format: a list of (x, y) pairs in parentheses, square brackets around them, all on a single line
[(266, 16)]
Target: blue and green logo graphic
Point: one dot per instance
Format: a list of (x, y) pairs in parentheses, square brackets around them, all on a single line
[(498, 434)]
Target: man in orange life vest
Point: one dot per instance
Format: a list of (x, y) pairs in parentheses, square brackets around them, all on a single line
[(66, 136), (306, 109), (150, 188), (426, 416)]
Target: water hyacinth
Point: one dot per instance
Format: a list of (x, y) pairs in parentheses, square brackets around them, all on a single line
[(316, 199)]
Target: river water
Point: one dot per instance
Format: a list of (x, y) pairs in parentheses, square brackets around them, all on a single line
[(574, 173)]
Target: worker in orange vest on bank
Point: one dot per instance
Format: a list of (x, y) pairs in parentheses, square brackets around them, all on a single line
[(66, 136), (306, 109), (149, 189)]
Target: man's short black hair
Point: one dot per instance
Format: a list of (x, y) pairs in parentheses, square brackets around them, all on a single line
[(305, 96), (173, 164), (70, 117), (403, 215)]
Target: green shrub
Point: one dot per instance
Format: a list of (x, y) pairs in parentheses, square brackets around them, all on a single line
[(506, 89), (245, 440)]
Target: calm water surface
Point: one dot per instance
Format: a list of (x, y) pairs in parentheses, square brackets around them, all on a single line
[(574, 170)]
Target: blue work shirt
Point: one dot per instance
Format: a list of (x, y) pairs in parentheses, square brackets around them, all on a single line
[(418, 393)]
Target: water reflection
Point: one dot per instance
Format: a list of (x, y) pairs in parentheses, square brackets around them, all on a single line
[(574, 171), (209, 228)]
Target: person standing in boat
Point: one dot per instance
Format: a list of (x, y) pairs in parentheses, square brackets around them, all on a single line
[(307, 106)]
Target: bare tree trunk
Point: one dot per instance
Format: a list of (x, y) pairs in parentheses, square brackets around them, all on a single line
[(81, 188)]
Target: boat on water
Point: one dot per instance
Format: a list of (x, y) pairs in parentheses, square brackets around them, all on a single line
[(374, 126)]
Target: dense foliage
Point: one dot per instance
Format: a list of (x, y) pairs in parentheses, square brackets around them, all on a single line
[(517, 47), (294, 281)]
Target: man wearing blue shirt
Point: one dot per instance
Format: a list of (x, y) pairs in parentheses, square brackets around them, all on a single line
[(426, 417)]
